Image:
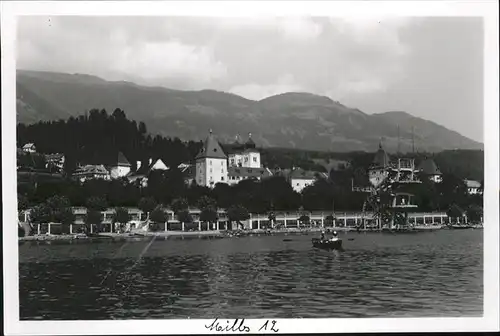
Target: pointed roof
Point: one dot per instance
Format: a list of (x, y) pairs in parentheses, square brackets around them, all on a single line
[(381, 158), (122, 160), (211, 149), (428, 166), (250, 143)]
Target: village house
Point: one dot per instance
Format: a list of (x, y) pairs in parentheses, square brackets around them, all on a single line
[(142, 171), (55, 160), (29, 148), (473, 187), (89, 172), (300, 178)]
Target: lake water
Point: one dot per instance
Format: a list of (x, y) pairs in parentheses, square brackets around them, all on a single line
[(430, 274)]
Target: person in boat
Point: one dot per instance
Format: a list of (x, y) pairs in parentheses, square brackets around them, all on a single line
[(334, 237), (322, 235)]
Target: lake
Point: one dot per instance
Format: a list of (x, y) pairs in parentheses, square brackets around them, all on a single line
[(429, 274)]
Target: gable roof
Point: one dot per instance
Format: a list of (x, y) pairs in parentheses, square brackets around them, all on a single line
[(28, 145), (211, 149), (472, 184)]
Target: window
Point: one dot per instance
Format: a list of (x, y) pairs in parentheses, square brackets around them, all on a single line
[(210, 170), (246, 158), (222, 178), (222, 171), (254, 159), (210, 162), (232, 161)]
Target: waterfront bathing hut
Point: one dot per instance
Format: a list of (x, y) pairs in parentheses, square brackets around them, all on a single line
[(390, 200)]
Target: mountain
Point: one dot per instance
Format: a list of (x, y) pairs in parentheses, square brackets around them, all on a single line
[(295, 119)]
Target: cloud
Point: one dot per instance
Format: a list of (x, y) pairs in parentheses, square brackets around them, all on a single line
[(291, 28), (256, 91), (109, 47), (156, 60)]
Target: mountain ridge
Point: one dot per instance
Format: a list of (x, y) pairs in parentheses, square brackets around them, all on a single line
[(293, 119)]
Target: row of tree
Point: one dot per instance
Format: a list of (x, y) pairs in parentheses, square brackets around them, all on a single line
[(274, 193)]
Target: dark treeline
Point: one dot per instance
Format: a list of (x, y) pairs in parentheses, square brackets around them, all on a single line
[(96, 137)]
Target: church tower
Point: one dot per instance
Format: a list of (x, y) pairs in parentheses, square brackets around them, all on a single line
[(211, 163)]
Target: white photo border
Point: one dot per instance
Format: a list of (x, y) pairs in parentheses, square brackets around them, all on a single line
[(486, 9)]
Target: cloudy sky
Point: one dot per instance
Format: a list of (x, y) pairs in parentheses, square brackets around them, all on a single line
[(429, 67)]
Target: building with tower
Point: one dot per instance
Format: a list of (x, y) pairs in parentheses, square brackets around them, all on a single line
[(244, 154), (211, 163)]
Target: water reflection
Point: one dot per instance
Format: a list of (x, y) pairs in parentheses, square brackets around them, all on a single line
[(435, 274)]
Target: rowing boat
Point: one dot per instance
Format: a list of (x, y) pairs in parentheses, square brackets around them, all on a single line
[(327, 244)]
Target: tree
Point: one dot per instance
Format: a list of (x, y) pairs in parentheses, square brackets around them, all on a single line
[(22, 202), (121, 216), (474, 213), (97, 203), (454, 212), (147, 204), (330, 219), (237, 213), (208, 215), (93, 217), (184, 216), (157, 216), (304, 219)]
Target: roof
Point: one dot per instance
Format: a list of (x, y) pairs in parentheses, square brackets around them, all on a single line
[(91, 169), (122, 160), (211, 149), (428, 166), (301, 174), (248, 172), (145, 169), (381, 158), (250, 143), (472, 184)]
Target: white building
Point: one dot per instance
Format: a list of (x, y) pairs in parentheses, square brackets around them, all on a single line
[(300, 179), (244, 155), (29, 148), (473, 187), (120, 168), (211, 163)]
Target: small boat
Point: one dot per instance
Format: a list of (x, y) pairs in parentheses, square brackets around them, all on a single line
[(327, 244)]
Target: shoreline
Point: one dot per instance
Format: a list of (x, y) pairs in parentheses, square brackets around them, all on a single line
[(212, 234)]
